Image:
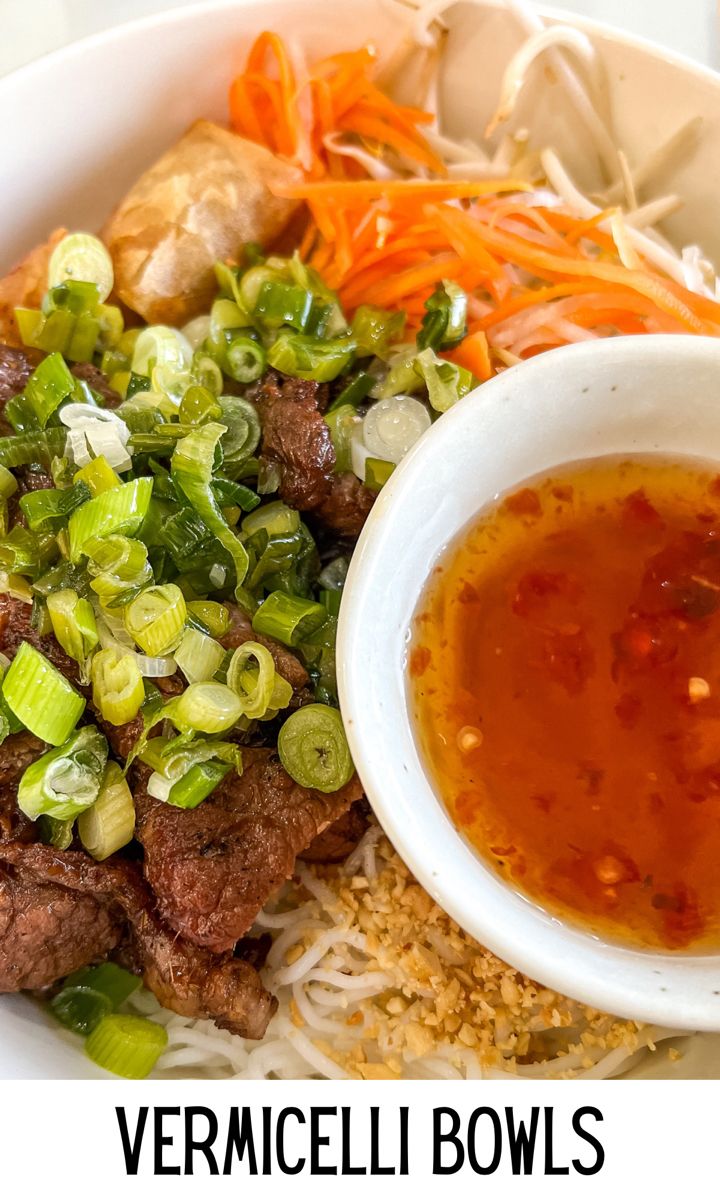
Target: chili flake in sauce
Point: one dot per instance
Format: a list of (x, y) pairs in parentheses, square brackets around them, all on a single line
[(565, 676)]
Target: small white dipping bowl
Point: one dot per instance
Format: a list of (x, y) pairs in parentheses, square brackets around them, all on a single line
[(620, 396)]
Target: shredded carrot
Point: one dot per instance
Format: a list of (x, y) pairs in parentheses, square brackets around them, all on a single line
[(536, 276), (473, 353)]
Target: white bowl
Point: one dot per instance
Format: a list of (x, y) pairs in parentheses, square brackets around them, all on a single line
[(80, 124), (620, 396)]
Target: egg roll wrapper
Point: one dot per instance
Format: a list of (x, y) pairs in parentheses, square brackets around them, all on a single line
[(205, 197)]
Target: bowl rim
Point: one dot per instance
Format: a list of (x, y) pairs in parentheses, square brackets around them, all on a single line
[(515, 927), (181, 14)]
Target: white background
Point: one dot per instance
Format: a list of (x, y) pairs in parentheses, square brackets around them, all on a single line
[(29, 28)]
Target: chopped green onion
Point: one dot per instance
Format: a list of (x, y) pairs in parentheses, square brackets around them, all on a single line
[(355, 392), (8, 483), (256, 688), (113, 981), (48, 509), (343, 423), (228, 493), (65, 781), (80, 1009), (73, 623), (243, 431), (377, 473), (160, 346), (330, 599), (392, 426), (198, 405), (25, 553), (172, 763), (98, 475), (118, 689), (110, 823), (120, 510), (275, 519), (50, 383), (309, 357), (24, 448), (335, 573), (83, 257), (245, 360), (374, 329), (444, 323), (211, 614), (289, 619), (280, 303), (313, 748), (118, 566), (446, 382), (56, 833), (205, 708), (90, 994), (192, 469), (41, 697), (198, 656), (197, 784), (155, 619), (126, 1045)]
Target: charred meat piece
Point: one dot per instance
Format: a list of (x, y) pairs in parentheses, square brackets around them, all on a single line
[(16, 367), (192, 981), (338, 841), (287, 664), (18, 751), (297, 439), (213, 867), (185, 978), (47, 931)]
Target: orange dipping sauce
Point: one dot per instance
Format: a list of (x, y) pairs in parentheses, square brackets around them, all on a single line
[(565, 679)]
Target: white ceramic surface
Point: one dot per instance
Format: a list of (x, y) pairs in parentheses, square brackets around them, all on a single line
[(80, 124), (617, 396)]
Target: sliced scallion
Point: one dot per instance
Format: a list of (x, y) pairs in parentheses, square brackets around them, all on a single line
[(192, 468), (313, 748), (126, 1045), (307, 357), (118, 690), (120, 510), (48, 509), (109, 824), (198, 656), (83, 257), (73, 623), (156, 618), (205, 708), (64, 782), (288, 618), (41, 697)]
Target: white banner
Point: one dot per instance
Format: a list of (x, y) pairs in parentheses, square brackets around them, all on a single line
[(348, 1140)]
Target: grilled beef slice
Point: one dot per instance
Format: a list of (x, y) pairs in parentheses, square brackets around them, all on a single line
[(337, 842), (17, 752), (46, 930), (213, 867), (296, 437), (59, 910)]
